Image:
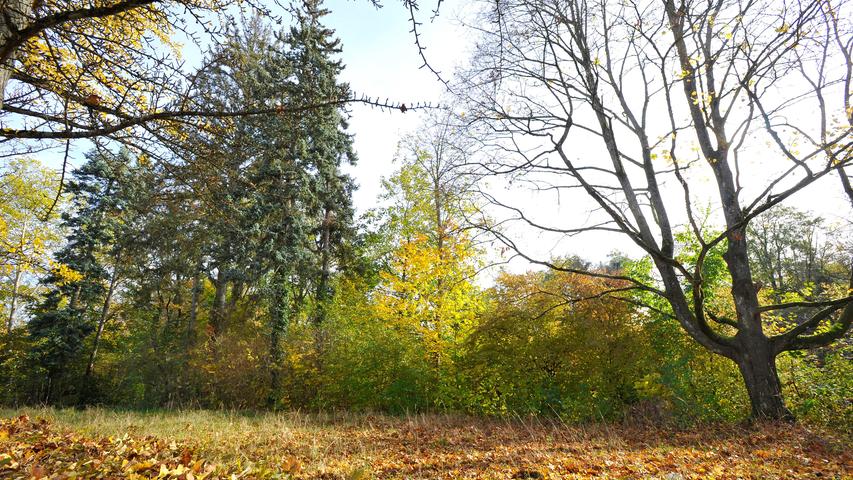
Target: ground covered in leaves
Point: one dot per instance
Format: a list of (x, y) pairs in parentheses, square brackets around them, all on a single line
[(86, 444)]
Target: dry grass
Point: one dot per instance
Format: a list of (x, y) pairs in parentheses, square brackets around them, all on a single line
[(359, 447)]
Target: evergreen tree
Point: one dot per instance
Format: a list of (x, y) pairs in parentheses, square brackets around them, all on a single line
[(306, 178), (313, 49), (281, 205), (76, 285)]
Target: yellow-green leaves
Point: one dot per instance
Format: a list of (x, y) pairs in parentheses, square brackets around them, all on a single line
[(428, 287), (27, 189)]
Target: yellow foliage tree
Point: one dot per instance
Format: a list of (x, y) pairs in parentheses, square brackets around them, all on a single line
[(75, 69), (25, 234), (428, 286), (430, 292)]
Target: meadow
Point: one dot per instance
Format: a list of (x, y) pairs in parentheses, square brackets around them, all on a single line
[(196, 444), (608, 239)]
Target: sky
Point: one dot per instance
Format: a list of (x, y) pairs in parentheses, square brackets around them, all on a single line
[(381, 60)]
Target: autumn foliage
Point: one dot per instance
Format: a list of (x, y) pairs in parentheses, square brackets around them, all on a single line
[(206, 261), (363, 447)]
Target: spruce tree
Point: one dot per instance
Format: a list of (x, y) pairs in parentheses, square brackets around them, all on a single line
[(315, 193), (313, 50), (283, 211), (69, 311)]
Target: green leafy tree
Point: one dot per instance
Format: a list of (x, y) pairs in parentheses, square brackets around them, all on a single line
[(798, 256), (427, 286)]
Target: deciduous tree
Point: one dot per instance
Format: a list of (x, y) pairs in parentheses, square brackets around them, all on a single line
[(633, 103), (26, 236)]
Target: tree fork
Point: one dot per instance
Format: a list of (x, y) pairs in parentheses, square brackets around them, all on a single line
[(757, 364)]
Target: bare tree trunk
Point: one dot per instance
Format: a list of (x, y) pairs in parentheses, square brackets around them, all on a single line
[(322, 294), (102, 321), (590, 63), (196, 292), (14, 301), (217, 316), (845, 182), (439, 226)]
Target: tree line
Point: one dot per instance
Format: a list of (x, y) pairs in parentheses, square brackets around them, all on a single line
[(212, 256)]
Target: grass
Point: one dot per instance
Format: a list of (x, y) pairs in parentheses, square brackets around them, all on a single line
[(359, 447)]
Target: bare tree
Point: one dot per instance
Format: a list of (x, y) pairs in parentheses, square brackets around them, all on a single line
[(635, 104)]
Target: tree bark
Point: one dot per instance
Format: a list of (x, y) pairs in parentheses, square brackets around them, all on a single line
[(196, 292), (217, 316), (18, 270), (757, 364), (234, 298), (323, 293), (845, 182), (15, 16)]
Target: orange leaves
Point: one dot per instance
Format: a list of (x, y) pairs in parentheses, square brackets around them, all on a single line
[(35, 450), (291, 465), (429, 447), (92, 100)]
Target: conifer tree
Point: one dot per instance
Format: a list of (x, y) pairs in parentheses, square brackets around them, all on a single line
[(315, 193), (281, 204), (313, 49), (76, 285)]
